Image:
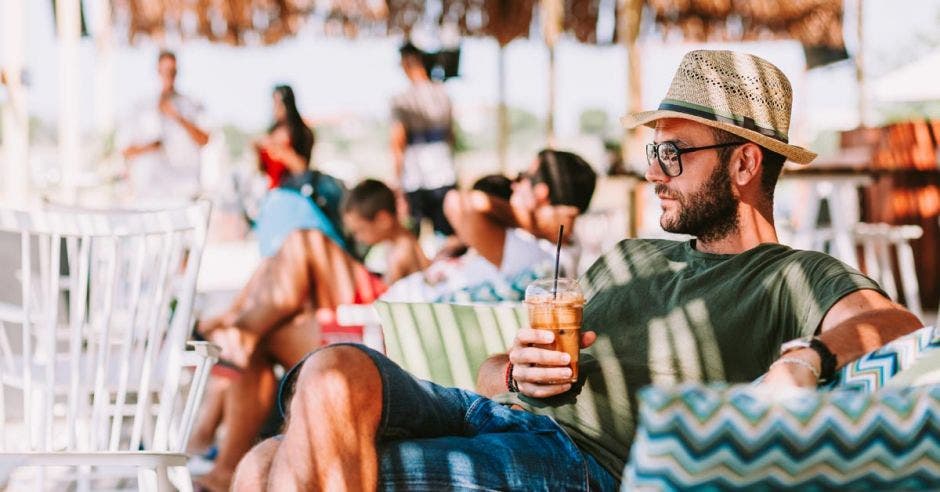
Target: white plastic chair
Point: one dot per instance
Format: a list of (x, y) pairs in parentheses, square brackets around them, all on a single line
[(96, 349), (877, 242)]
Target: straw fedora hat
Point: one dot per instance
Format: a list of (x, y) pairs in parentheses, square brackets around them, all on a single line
[(736, 92)]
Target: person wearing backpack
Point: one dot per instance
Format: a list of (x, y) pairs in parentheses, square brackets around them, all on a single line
[(299, 197)]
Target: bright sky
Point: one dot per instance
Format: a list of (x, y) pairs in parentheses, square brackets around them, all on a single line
[(333, 77)]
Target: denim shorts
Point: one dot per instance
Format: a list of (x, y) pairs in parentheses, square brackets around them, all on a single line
[(435, 438)]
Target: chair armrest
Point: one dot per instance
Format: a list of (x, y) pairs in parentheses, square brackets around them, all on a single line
[(203, 356), (356, 315), (363, 315), (206, 350)]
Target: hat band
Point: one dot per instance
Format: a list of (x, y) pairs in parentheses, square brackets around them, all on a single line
[(709, 114)]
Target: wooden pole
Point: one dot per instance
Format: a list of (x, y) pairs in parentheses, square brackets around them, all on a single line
[(629, 28), (634, 98), (552, 12), (68, 15), (550, 118), (860, 68), (104, 69), (503, 137), (15, 138)]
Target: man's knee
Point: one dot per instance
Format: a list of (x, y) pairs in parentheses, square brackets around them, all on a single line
[(253, 470), (341, 372)]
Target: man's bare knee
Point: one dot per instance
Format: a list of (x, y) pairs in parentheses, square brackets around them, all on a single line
[(253, 470), (340, 374)]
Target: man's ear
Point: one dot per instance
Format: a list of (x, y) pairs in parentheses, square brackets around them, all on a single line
[(541, 193), (746, 167)]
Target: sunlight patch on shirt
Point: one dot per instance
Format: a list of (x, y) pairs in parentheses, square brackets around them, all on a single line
[(798, 282), (697, 313), (618, 267), (686, 347), (616, 382), (661, 354)]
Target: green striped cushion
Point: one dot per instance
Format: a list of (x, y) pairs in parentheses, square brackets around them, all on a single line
[(447, 343)]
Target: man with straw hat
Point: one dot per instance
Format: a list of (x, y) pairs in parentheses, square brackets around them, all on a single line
[(719, 307)]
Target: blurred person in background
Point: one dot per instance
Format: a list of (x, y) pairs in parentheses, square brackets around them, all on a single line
[(371, 217), (286, 149), (422, 140), (164, 141), (300, 196)]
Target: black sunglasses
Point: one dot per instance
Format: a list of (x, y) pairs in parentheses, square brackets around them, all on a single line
[(670, 157)]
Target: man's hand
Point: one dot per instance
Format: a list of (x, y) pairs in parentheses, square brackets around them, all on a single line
[(787, 373), (537, 371), (167, 107)]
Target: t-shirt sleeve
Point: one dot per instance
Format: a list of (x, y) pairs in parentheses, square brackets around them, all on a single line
[(829, 281)]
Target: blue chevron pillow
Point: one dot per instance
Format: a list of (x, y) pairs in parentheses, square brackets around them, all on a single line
[(872, 371), (718, 438)]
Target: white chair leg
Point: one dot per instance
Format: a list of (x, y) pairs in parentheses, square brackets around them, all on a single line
[(181, 478), (909, 278), (882, 250), (146, 479), (163, 480), (84, 479)]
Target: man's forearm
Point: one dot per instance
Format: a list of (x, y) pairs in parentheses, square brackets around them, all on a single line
[(197, 134), (866, 332), (491, 378)]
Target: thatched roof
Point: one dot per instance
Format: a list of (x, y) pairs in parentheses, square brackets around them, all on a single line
[(813, 22)]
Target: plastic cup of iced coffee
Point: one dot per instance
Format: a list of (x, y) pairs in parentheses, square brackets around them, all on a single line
[(558, 310)]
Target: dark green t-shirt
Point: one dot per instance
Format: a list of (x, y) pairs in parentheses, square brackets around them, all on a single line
[(666, 313)]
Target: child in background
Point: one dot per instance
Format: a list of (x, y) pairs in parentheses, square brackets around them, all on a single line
[(370, 215)]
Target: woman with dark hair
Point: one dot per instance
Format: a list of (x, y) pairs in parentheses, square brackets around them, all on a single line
[(300, 197), (287, 147)]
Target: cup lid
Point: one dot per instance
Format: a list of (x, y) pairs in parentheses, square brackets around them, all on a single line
[(545, 288)]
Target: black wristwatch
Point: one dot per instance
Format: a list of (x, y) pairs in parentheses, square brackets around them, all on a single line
[(827, 369)]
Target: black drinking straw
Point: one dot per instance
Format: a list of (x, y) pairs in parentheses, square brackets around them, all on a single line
[(561, 230)]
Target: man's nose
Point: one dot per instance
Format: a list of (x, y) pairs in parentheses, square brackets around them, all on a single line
[(654, 173)]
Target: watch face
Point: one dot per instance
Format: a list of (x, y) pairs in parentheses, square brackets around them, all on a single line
[(799, 343)]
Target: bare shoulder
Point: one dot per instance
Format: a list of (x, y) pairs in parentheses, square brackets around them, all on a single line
[(405, 257)]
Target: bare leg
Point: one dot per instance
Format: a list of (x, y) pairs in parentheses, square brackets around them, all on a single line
[(329, 443), (251, 397), (252, 472), (227, 318), (308, 267)]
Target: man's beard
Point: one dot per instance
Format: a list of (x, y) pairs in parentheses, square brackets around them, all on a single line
[(709, 213)]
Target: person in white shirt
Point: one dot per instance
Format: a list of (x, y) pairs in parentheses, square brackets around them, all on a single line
[(166, 136), (422, 139)]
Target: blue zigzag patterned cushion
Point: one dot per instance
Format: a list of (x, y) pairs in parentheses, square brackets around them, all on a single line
[(872, 371), (718, 438)]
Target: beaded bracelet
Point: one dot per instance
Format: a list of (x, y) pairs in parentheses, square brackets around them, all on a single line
[(510, 382), (799, 362)]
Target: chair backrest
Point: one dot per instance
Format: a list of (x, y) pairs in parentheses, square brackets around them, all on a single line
[(94, 342), (886, 249), (447, 343)]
